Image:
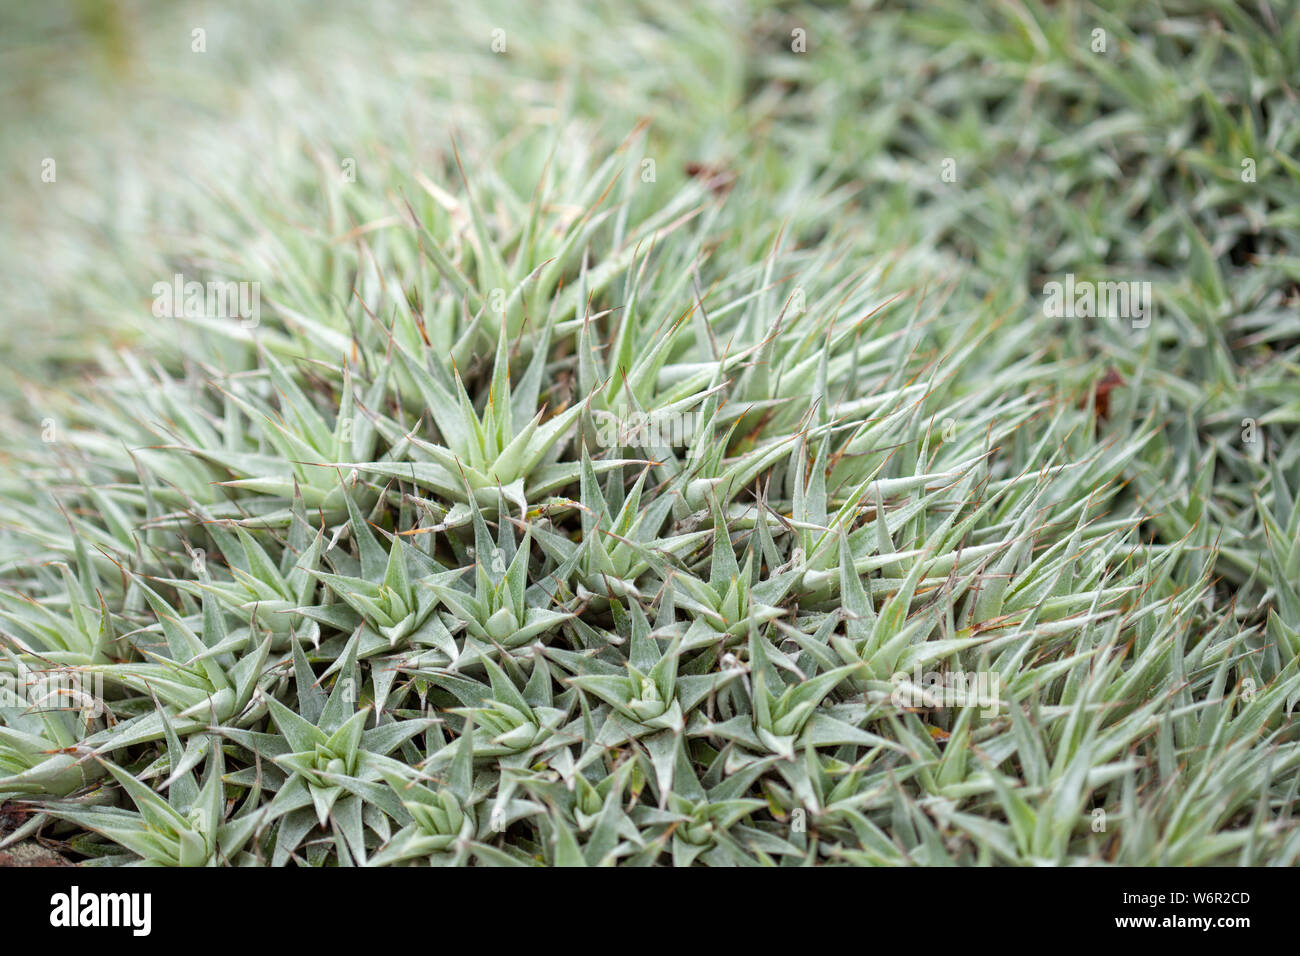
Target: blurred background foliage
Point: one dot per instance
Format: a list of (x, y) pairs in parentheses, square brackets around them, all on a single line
[(1123, 163)]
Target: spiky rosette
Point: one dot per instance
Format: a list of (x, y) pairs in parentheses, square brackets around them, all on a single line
[(552, 511)]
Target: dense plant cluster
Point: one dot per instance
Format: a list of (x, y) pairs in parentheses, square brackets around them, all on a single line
[(557, 513)]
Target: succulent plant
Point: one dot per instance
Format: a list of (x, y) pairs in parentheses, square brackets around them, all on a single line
[(557, 514)]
